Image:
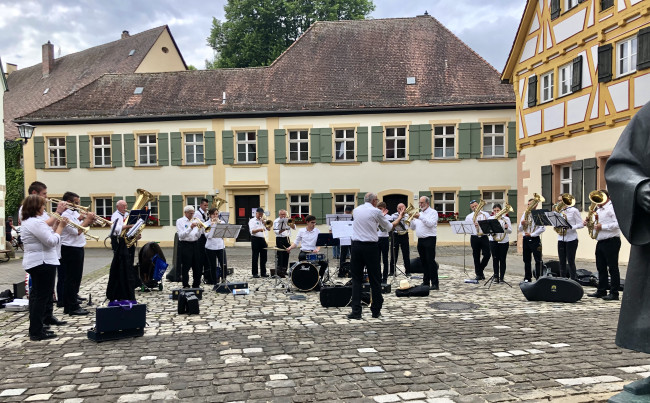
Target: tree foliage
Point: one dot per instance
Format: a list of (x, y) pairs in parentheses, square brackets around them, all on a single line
[(256, 32), (15, 179)]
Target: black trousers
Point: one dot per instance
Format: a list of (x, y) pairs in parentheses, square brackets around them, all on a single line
[(259, 254), (384, 246), (607, 256), (302, 256), (60, 286), (427, 252), (281, 256), (531, 246), (216, 273), (480, 245), (366, 254), (189, 257), (401, 242), (499, 254), (566, 252), (41, 303), (203, 258), (345, 252), (72, 262)]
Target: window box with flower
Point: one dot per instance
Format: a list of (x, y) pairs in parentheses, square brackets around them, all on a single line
[(447, 217), (153, 221), (298, 219)]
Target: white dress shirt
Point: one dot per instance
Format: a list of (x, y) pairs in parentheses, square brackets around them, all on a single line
[(307, 239), (185, 230), (200, 215), (40, 243), (380, 232), (286, 230), (402, 226), (504, 220), (534, 231), (70, 236), (606, 218), (214, 243), (574, 219), (253, 224), (427, 224), (120, 222), (366, 220), (482, 215)]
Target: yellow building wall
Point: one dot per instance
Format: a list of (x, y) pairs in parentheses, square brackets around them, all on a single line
[(157, 60)]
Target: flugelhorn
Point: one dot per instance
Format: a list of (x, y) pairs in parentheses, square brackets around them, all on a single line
[(70, 224), (268, 223), (410, 211)]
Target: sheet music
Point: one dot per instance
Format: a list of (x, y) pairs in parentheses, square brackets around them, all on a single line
[(341, 229), (329, 218)]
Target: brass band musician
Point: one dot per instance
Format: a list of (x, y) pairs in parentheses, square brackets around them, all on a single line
[(567, 239), (531, 241), (480, 243), (401, 241), (258, 243), (188, 235), (282, 232), (306, 238)]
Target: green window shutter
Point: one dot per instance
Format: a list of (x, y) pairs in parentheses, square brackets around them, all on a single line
[(129, 150), (314, 140), (39, 152), (643, 49), (84, 151), (280, 202), (263, 146), (177, 148), (360, 197), (555, 9), (426, 193), (464, 197), (532, 91), (512, 140), (280, 136), (590, 178), (512, 200), (576, 75), (547, 186), (414, 142), (228, 146), (177, 208), (605, 63), (86, 201), (362, 144), (326, 144), (116, 150), (605, 4), (115, 200), (377, 143), (210, 148), (475, 140), (576, 183), (163, 149), (321, 205), (463, 140), (163, 210), (425, 142), (129, 201), (71, 151)]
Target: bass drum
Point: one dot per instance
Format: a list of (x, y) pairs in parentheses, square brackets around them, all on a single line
[(304, 276)]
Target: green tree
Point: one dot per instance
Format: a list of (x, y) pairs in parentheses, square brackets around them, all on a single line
[(256, 32), (14, 177)]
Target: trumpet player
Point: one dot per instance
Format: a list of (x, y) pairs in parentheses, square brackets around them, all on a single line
[(607, 249), (282, 239), (188, 235), (258, 243), (401, 241), (215, 250), (202, 214), (531, 244), (425, 224), (499, 248), (480, 243), (72, 257), (567, 242)]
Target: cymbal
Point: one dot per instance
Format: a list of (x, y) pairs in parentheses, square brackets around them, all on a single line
[(275, 248)]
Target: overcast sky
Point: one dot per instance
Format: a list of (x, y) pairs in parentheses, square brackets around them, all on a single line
[(488, 27)]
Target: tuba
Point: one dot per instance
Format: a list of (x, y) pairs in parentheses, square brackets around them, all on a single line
[(506, 209), (480, 206), (597, 197), (567, 201), (217, 202), (132, 234), (528, 220), (410, 211)]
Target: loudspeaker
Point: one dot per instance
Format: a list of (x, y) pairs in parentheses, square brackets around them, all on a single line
[(336, 296), (118, 322), (552, 289), (192, 305)]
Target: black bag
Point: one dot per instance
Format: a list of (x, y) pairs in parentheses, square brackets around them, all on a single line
[(336, 296), (586, 278), (182, 303), (118, 322), (196, 291), (192, 303), (552, 289), (416, 291)]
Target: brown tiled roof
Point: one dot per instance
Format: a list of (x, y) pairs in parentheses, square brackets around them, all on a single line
[(334, 66), (70, 73)]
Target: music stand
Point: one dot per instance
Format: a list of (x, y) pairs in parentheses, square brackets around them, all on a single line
[(557, 220), (463, 227), (540, 219), (225, 231), (491, 227), (341, 229)]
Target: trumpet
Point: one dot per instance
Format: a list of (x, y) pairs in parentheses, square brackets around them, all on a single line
[(100, 221), (200, 223), (69, 205), (70, 224)]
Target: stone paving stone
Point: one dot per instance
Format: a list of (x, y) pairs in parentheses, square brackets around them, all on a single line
[(12, 392)]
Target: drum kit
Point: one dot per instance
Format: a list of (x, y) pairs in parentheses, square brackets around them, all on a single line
[(303, 275)]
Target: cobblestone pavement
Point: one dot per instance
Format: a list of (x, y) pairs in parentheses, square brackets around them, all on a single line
[(464, 343)]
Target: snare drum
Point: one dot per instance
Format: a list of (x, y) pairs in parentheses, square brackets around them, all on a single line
[(304, 276), (314, 257)]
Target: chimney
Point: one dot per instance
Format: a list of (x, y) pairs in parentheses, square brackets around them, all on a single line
[(10, 68), (125, 34), (48, 59)]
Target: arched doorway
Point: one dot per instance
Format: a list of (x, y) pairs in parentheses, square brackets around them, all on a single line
[(392, 200)]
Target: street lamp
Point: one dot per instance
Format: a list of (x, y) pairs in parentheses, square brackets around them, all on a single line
[(26, 130)]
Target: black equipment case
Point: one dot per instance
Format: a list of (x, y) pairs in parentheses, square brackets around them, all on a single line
[(117, 322), (335, 296), (196, 291), (552, 289), (221, 289)]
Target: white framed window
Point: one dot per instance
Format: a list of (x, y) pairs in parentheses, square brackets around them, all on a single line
[(493, 197), (494, 140), (444, 202), (102, 151), (570, 4), (194, 201), (246, 147), (546, 89), (147, 149), (194, 148), (152, 208), (342, 201), (298, 146), (299, 205), (444, 141), (565, 179), (626, 56), (395, 143), (344, 145), (565, 78), (104, 207), (56, 151)]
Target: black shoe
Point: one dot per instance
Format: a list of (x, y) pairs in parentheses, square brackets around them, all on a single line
[(79, 312), (54, 321), (60, 305), (477, 278), (496, 280), (375, 314), (434, 288), (186, 286), (610, 297), (354, 316), (384, 280), (42, 336), (256, 276), (265, 275), (46, 328), (408, 274), (597, 294)]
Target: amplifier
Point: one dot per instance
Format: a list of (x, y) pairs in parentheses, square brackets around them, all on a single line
[(116, 322), (221, 288), (196, 291)]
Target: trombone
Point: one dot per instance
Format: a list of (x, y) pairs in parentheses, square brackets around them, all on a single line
[(100, 221), (70, 224)]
